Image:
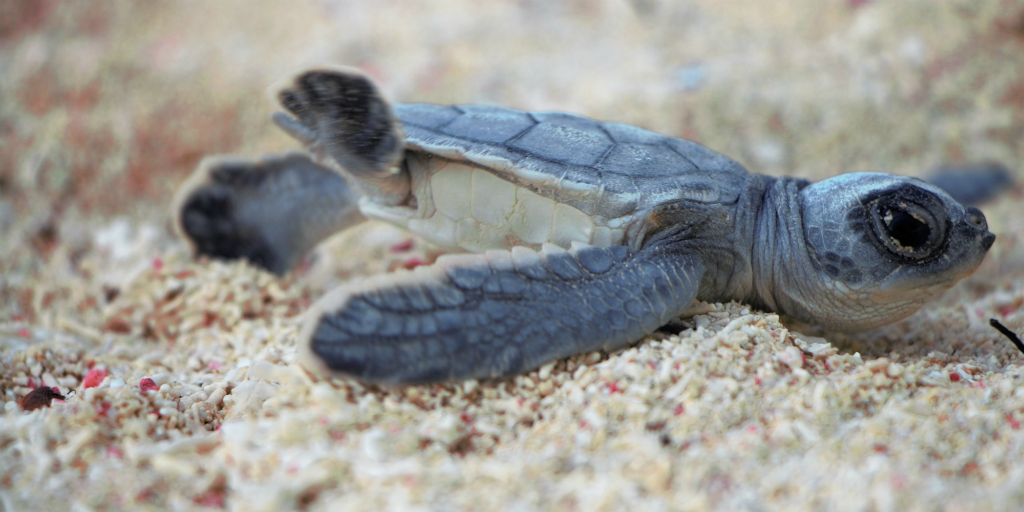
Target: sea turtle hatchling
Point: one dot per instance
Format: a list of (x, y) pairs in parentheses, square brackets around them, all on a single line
[(579, 235)]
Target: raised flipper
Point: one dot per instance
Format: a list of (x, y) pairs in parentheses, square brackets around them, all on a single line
[(496, 314), (341, 112), (269, 211), (972, 184)]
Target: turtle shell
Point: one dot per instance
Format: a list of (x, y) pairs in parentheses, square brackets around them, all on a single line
[(604, 169)]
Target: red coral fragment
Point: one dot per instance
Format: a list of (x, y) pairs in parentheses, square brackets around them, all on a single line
[(209, 317), (954, 377), (147, 384), (1014, 424), (94, 378), (116, 325), (402, 246), (462, 445), (898, 481), (412, 263)]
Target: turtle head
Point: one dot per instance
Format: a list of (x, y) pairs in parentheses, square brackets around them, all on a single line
[(881, 245)]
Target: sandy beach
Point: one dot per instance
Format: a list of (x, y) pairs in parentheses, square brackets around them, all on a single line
[(180, 376)]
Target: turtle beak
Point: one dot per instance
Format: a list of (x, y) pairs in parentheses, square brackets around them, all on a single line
[(988, 240)]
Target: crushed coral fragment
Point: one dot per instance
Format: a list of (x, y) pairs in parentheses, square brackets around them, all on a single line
[(94, 378), (404, 246), (412, 263), (147, 384)]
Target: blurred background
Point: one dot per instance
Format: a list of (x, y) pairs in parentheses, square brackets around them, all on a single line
[(106, 106)]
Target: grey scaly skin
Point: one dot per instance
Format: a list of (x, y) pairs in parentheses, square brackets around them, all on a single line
[(849, 253), (498, 314), (269, 212)]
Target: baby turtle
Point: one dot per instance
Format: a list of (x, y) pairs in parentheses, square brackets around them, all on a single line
[(580, 235)]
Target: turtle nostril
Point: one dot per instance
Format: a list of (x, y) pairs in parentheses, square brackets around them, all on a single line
[(976, 219)]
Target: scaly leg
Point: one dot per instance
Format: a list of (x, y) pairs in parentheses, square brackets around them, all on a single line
[(270, 211)]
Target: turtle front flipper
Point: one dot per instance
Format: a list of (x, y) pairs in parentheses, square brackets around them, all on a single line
[(341, 112), (269, 211), (496, 314)]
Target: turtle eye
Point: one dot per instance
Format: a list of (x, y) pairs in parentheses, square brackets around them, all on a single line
[(907, 227)]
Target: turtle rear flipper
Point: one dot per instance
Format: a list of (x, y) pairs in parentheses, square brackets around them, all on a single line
[(972, 184), (496, 314), (341, 112), (269, 211)]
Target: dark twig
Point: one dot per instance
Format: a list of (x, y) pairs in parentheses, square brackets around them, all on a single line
[(1008, 333)]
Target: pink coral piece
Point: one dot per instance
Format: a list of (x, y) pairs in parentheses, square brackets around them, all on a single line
[(147, 384), (412, 263), (403, 246), (94, 378)]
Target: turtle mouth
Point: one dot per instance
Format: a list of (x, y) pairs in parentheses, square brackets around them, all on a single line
[(988, 240), (901, 285)]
